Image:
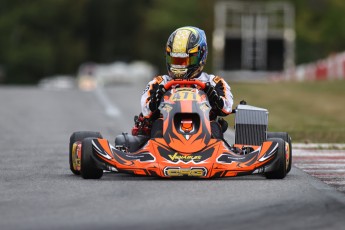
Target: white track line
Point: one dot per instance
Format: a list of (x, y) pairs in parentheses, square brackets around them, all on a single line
[(110, 109), (320, 166), (318, 146), (318, 153)]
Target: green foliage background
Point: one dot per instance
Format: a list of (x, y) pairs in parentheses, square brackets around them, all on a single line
[(46, 37)]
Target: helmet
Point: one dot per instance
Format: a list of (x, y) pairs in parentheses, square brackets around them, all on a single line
[(186, 52)]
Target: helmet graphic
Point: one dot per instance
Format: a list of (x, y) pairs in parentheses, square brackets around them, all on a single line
[(186, 52)]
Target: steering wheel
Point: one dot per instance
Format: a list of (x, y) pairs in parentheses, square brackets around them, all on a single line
[(169, 84)]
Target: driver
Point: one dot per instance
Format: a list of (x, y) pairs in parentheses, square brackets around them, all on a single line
[(186, 54)]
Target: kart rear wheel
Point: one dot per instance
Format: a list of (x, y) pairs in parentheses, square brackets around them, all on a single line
[(286, 137), (281, 171), (79, 136), (88, 169)]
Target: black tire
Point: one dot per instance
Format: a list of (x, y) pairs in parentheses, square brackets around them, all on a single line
[(79, 136), (88, 168), (281, 170), (286, 137)]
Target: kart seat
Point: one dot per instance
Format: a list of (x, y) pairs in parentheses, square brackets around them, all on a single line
[(129, 142)]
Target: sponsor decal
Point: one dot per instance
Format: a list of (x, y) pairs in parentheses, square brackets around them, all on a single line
[(159, 79), (287, 154), (76, 156), (180, 172), (146, 89), (204, 107), (141, 156), (176, 157), (185, 158), (228, 159), (184, 95), (249, 159), (182, 55), (166, 108), (216, 79)]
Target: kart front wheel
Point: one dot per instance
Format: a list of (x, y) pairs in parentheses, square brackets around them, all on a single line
[(280, 170), (88, 167), (75, 137)]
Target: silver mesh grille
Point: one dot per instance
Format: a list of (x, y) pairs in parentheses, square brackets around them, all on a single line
[(250, 125)]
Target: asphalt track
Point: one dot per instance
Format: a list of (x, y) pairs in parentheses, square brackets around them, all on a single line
[(37, 190)]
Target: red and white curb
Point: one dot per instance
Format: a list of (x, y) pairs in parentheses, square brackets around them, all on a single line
[(327, 165)]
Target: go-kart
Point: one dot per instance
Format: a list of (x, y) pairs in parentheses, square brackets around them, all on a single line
[(186, 147)]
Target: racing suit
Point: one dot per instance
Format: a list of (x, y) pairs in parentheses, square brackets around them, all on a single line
[(224, 93)]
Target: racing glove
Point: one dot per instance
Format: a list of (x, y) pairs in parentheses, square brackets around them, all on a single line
[(214, 97), (156, 93), (220, 88)]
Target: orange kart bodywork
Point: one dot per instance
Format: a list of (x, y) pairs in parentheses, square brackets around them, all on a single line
[(158, 159), (186, 147)]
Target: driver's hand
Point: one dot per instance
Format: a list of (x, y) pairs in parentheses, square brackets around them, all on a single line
[(157, 93), (214, 98)]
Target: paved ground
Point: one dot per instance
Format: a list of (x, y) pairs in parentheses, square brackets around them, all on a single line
[(37, 190)]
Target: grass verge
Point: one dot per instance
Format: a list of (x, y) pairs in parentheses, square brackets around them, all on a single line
[(309, 111)]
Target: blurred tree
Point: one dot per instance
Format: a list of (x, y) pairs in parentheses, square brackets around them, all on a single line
[(112, 29), (46, 37), (164, 17), (40, 38), (320, 29)]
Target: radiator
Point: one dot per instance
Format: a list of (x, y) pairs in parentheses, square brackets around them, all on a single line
[(250, 125)]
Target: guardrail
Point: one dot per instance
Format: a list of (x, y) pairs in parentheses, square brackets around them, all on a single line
[(330, 68)]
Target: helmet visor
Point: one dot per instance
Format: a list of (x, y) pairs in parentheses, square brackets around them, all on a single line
[(182, 61)]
